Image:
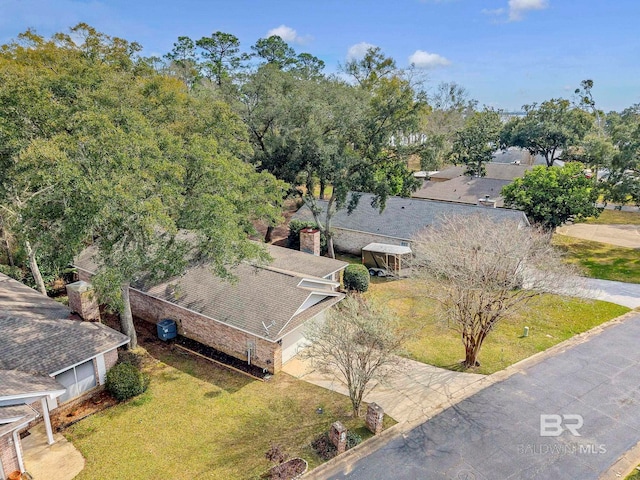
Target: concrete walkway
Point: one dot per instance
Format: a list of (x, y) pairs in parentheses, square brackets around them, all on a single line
[(593, 380), (408, 393), (627, 294), (620, 235), (60, 461)]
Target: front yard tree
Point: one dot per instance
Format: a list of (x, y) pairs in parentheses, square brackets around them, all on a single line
[(551, 196), (548, 129), (485, 271), (475, 143), (358, 340)]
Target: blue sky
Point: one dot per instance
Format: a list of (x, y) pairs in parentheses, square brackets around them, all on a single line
[(505, 52)]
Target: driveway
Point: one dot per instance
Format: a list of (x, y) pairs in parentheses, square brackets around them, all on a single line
[(620, 235), (60, 461), (594, 381), (409, 392), (626, 294)]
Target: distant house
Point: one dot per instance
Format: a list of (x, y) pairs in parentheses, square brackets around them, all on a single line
[(259, 318), (46, 359), (494, 170), (472, 190), (398, 223)]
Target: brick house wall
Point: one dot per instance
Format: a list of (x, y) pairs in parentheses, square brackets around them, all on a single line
[(110, 359), (8, 457), (350, 241), (234, 342)]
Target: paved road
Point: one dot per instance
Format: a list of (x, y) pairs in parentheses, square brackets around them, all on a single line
[(620, 235), (495, 434)]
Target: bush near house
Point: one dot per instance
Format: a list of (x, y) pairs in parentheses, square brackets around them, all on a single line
[(293, 240), (125, 381), (356, 277)]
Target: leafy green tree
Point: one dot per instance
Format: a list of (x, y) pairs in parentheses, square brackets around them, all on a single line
[(373, 66), (475, 143), (276, 51), (127, 158), (551, 196), (548, 129), (622, 183), (222, 55), (184, 62)]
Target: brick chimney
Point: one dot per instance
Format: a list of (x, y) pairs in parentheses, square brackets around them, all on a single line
[(310, 241), (83, 301)]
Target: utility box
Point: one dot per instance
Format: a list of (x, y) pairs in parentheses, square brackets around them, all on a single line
[(167, 329)]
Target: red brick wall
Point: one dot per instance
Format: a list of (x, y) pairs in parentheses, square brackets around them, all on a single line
[(110, 358), (8, 456), (192, 325)]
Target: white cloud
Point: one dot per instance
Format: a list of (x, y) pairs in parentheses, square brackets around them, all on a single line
[(517, 8), (288, 34), (358, 50), (422, 59)]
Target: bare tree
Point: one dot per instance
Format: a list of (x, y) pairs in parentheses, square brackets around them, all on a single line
[(485, 271), (359, 340)]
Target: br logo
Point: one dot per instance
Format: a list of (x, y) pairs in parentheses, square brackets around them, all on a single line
[(553, 425)]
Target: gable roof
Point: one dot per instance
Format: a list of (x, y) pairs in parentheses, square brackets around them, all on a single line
[(265, 301), (38, 338), (402, 218), (463, 190), (13, 382)]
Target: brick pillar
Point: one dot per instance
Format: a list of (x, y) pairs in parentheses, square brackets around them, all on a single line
[(338, 436), (310, 241), (83, 301), (375, 416)]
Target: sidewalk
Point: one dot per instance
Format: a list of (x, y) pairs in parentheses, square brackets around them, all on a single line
[(60, 461), (620, 235), (409, 391)]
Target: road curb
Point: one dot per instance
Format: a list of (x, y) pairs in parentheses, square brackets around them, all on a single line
[(342, 463)]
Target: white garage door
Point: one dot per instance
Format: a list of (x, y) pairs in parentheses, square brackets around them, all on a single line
[(77, 380), (292, 344)]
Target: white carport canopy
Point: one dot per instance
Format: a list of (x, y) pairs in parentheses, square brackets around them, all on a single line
[(386, 248)]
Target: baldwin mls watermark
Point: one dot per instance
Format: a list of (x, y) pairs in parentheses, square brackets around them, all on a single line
[(554, 425)]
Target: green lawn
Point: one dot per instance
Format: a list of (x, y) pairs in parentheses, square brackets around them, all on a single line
[(601, 260), (201, 421), (615, 217), (550, 318), (635, 475)]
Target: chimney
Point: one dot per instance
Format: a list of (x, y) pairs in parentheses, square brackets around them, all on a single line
[(83, 301), (486, 202), (310, 241)]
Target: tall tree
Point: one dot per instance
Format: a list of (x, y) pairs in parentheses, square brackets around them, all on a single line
[(222, 55), (184, 62), (369, 69), (551, 196), (486, 270), (276, 51), (548, 129), (475, 143)]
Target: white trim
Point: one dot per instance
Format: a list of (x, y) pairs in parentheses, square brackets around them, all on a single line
[(47, 421), (321, 281), (19, 396)]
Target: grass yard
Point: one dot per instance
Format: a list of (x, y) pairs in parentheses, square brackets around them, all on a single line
[(201, 421), (601, 260), (550, 318), (615, 217)]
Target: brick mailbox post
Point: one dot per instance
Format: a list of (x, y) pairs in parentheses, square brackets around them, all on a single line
[(375, 417), (338, 436)]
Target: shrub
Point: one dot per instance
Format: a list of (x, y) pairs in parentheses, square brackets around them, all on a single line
[(356, 277), (125, 381), (353, 439), (293, 240)]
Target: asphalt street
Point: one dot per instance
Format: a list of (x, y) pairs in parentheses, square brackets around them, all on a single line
[(570, 416)]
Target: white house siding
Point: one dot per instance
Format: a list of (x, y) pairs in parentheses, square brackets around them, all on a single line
[(77, 380)]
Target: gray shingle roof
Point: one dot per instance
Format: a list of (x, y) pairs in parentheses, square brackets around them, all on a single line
[(463, 190), (498, 171), (404, 217), (13, 382), (36, 338), (268, 294)]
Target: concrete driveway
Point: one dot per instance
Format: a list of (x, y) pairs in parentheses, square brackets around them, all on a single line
[(588, 389), (409, 392), (60, 461), (620, 235)]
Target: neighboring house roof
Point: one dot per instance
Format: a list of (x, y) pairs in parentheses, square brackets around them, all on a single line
[(267, 301), (516, 154), (37, 338), (402, 218), (463, 190), (498, 171), (13, 382)]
